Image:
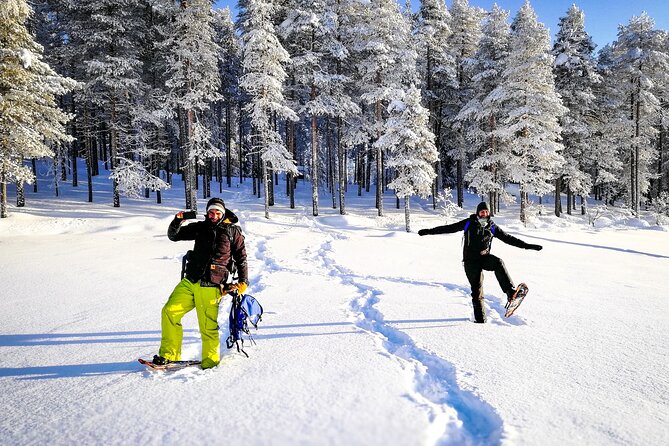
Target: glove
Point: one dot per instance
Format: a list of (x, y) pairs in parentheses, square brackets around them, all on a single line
[(535, 247), (238, 288), (423, 232)]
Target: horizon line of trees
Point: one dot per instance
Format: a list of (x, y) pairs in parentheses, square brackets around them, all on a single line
[(348, 93)]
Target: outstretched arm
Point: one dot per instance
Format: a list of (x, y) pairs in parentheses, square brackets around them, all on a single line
[(513, 241), (446, 229)]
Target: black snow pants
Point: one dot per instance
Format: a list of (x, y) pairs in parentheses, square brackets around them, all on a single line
[(474, 271)]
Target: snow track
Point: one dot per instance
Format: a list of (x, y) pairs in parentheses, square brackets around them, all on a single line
[(456, 416)]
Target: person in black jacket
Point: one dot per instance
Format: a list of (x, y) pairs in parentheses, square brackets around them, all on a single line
[(479, 230), (218, 243)]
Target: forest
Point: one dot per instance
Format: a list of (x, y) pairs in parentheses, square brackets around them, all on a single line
[(370, 95)]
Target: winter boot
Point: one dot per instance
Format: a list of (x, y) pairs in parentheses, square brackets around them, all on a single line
[(159, 360), (479, 311), (510, 294)]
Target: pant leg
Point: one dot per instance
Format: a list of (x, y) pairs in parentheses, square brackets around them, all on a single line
[(180, 302), (207, 301), (494, 263), (474, 273)]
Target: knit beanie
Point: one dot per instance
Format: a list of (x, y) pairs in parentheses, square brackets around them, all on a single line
[(216, 203), (482, 206)]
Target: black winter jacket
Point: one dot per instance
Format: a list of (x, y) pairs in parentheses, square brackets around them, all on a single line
[(477, 238), (215, 247)]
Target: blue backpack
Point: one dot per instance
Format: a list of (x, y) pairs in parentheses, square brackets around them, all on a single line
[(245, 309)]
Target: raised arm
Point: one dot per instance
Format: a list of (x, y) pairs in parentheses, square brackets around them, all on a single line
[(446, 229)]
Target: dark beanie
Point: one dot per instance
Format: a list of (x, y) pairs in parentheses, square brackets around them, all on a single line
[(216, 203), (482, 205)]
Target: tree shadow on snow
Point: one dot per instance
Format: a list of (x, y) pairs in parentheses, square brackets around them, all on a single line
[(70, 371), (589, 245), (41, 339)]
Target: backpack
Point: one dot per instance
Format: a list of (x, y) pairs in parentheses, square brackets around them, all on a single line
[(245, 309)]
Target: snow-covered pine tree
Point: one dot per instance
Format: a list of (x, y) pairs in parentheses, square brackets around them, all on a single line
[(229, 62), (531, 109), (382, 45), (411, 149), (140, 171), (109, 32), (29, 117), (49, 25), (610, 126), (263, 67), (484, 173), (311, 30), (641, 68), (462, 43), (436, 65), (575, 77), (193, 83)]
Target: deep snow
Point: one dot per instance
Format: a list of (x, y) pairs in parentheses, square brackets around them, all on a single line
[(367, 337)]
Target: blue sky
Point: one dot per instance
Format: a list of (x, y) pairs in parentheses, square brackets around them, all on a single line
[(602, 17)]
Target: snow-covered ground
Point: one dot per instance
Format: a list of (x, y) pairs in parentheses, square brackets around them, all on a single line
[(367, 337)]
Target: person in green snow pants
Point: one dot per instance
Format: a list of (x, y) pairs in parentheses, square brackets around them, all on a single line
[(219, 244)]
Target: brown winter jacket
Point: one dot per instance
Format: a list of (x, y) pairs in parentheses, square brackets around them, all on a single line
[(215, 248)]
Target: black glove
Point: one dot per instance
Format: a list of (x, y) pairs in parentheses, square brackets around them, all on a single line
[(535, 247), (423, 232)]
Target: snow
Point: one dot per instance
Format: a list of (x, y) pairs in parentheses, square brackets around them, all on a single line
[(367, 337)]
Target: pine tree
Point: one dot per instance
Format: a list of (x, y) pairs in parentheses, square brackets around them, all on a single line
[(640, 67), (193, 84), (532, 108), (229, 60), (264, 74), (382, 70), (463, 43), (436, 65), (411, 149), (609, 126), (108, 32), (575, 78), (482, 114), (311, 33), (29, 117)]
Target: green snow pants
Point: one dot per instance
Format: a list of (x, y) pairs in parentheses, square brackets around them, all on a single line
[(184, 298)]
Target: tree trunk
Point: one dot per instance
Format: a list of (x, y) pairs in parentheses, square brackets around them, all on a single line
[(407, 213), (228, 143), (34, 165), (190, 169), (89, 154), (523, 207), (333, 167), (558, 200), (267, 181), (74, 148), (314, 156), (460, 183), (3, 190), (114, 152), (20, 194), (241, 144), (341, 172)]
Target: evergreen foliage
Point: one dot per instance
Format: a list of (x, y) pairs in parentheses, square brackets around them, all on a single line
[(354, 92)]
